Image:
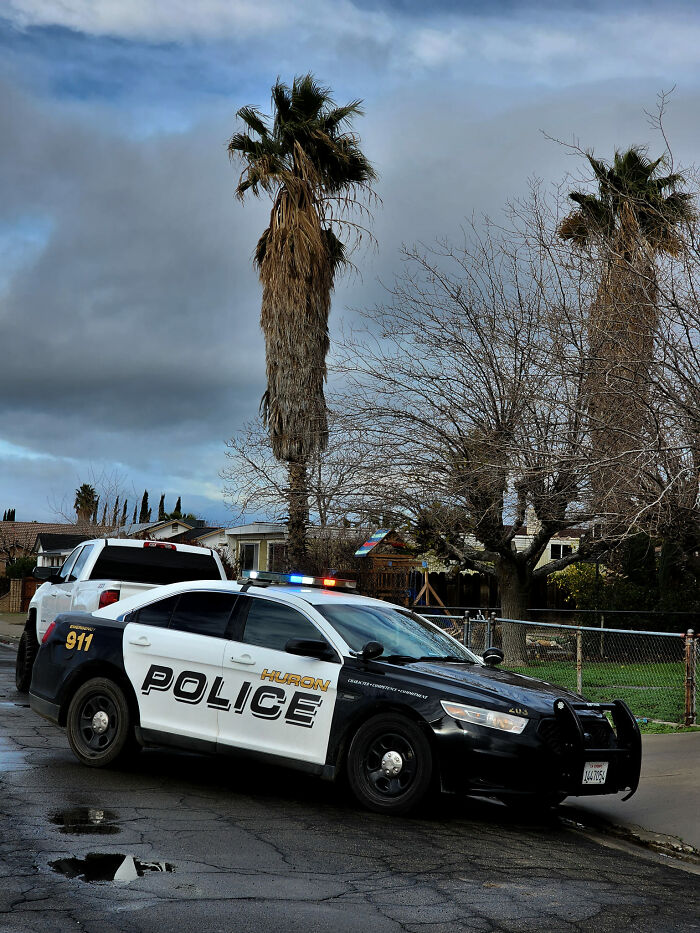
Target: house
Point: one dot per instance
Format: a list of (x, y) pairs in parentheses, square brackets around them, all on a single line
[(52, 549), (156, 531), (18, 539), (562, 543), (258, 546), (204, 535)]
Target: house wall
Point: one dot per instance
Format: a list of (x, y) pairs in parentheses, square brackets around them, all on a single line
[(167, 531)]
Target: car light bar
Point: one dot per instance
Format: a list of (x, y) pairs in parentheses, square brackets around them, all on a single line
[(265, 576)]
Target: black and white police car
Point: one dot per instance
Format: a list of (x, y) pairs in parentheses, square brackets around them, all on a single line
[(305, 673)]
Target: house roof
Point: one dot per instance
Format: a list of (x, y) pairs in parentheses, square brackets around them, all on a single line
[(260, 528), (199, 532), (24, 534), (60, 542)]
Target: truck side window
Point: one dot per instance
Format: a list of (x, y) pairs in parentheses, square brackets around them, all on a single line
[(68, 565), (80, 562)]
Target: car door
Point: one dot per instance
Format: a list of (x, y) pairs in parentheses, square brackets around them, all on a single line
[(64, 590), (173, 653), (281, 703)]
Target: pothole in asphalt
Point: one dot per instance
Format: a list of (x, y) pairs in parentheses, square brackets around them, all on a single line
[(86, 821), (107, 867)]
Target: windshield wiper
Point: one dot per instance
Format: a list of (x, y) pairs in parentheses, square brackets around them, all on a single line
[(397, 658), (445, 657)]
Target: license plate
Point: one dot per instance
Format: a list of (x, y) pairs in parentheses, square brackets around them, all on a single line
[(595, 772)]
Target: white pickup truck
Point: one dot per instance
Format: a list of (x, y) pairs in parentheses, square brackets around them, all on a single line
[(103, 571)]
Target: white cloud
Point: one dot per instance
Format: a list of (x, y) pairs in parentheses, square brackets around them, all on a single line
[(560, 46)]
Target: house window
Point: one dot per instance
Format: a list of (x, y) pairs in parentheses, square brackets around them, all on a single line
[(248, 556), (560, 550), (277, 556)]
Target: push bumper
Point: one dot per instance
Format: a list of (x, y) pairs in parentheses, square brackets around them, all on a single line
[(548, 758)]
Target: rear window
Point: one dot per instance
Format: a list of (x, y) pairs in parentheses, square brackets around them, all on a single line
[(153, 565)]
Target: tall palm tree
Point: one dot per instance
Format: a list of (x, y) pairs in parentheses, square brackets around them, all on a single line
[(307, 159), (86, 502), (636, 216)]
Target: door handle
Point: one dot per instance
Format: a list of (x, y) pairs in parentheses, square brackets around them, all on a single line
[(243, 659), (141, 640)]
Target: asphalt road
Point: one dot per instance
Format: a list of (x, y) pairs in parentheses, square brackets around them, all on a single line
[(253, 848)]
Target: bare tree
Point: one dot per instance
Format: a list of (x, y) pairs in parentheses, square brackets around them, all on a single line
[(257, 483), (471, 384), (109, 488)]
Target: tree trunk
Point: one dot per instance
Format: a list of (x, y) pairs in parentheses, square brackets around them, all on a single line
[(298, 518), (514, 589)]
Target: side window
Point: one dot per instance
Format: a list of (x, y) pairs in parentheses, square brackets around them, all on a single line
[(83, 558), (203, 613), (68, 565), (157, 613), (271, 625)]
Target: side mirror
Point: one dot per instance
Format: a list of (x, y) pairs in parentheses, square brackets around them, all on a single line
[(310, 648), (492, 656), (370, 650), (46, 574)]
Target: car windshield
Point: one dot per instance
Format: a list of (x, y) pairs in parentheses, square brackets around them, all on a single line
[(404, 635)]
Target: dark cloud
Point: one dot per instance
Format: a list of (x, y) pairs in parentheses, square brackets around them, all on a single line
[(128, 306)]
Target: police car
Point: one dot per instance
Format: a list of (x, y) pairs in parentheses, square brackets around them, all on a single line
[(303, 672)]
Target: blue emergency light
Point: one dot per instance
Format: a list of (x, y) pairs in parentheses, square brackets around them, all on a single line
[(267, 576)]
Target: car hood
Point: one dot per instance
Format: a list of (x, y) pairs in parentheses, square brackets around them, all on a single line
[(488, 682)]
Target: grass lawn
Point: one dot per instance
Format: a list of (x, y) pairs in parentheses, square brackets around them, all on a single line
[(652, 691)]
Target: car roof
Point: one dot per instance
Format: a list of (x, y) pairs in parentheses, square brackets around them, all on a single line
[(313, 595)]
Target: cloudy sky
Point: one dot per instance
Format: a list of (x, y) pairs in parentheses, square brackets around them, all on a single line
[(129, 338)]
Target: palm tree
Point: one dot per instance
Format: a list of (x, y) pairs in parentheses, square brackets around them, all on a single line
[(636, 216), (86, 502), (305, 157)]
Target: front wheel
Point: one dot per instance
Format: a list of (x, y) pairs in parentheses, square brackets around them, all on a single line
[(26, 653), (99, 723), (389, 764)]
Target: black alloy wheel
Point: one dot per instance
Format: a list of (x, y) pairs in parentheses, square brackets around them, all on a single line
[(99, 723), (26, 653), (389, 764)]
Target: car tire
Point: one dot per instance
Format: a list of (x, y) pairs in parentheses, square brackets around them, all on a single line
[(384, 743), (26, 653), (100, 740)]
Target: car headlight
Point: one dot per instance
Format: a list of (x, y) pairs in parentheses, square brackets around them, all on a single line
[(506, 722)]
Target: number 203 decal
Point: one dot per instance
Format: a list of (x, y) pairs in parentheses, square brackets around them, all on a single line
[(79, 640)]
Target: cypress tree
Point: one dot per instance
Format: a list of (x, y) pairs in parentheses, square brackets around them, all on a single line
[(123, 521), (161, 508), (144, 514), (133, 518)]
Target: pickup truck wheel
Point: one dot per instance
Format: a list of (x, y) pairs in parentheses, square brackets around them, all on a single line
[(389, 764), (99, 723), (26, 652)]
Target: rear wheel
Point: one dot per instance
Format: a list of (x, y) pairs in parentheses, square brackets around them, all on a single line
[(389, 764), (99, 723), (26, 653)]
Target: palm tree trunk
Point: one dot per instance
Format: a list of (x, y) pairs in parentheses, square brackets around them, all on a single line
[(298, 515)]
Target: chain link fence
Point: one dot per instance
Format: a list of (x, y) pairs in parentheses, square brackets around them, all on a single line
[(655, 673)]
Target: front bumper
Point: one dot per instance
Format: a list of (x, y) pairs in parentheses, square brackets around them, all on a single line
[(548, 758)]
